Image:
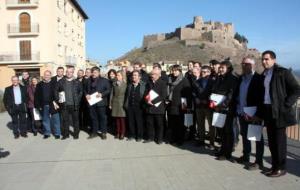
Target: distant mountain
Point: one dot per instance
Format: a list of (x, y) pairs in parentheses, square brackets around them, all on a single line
[(297, 73)]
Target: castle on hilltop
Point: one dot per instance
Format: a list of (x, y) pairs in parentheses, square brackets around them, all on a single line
[(211, 31)]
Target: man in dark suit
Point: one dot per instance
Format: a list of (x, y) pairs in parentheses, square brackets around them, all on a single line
[(281, 91), (156, 108), (249, 94), (60, 71), (72, 90), (98, 111), (15, 99), (202, 86)]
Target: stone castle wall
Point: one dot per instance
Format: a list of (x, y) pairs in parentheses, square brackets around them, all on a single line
[(215, 32)]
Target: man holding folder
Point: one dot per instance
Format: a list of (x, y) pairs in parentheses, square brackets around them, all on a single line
[(155, 99), (250, 92)]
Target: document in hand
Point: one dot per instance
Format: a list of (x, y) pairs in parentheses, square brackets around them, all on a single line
[(37, 115), (94, 99), (217, 98), (62, 97), (218, 120), (188, 119), (250, 111), (254, 132), (152, 95)]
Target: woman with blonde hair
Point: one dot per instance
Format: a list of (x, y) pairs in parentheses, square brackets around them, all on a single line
[(117, 97)]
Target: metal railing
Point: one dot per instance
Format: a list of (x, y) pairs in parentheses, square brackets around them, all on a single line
[(19, 29), (20, 2), (293, 132), (15, 57)]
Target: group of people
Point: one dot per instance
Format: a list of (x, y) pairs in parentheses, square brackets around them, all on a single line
[(152, 107)]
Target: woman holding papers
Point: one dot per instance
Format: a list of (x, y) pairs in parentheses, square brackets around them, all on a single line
[(117, 97), (155, 98), (225, 85), (178, 103), (99, 88)]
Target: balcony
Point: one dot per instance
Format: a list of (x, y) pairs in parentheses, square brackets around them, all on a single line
[(14, 58), (12, 4), (71, 60), (18, 30)]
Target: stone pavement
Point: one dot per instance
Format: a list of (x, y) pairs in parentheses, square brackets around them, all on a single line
[(38, 164)]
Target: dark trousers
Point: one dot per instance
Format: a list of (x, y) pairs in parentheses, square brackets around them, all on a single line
[(201, 115), (247, 144), (99, 118), (67, 113), (19, 122), (155, 127), (227, 137), (176, 124), (277, 140), (84, 116), (135, 117)]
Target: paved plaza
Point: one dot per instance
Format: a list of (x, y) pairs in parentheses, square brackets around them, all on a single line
[(38, 164)]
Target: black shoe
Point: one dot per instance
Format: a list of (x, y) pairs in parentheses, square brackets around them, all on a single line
[(254, 166), (35, 133), (221, 158), (16, 136), (138, 140), (276, 173), (64, 137), (92, 136), (57, 137), (24, 135), (76, 137), (159, 142), (242, 160), (46, 136), (104, 137), (200, 143), (147, 141)]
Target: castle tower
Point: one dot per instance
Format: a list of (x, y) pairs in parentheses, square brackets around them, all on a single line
[(198, 22), (230, 29)]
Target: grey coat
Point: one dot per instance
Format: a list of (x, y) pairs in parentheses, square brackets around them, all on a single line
[(117, 98)]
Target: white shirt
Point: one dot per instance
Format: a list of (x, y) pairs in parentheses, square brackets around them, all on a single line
[(268, 76), (17, 94)]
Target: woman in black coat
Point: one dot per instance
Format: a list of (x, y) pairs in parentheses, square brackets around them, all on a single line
[(178, 103), (226, 84)]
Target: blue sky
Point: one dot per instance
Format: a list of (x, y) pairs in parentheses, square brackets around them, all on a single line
[(117, 26)]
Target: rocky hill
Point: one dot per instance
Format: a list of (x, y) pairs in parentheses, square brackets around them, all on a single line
[(201, 51)]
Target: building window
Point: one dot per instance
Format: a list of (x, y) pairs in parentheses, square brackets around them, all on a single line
[(65, 6), (59, 25), (24, 21), (60, 50), (25, 50)]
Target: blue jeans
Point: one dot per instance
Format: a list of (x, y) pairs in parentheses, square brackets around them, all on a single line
[(99, 118), (49, 119)]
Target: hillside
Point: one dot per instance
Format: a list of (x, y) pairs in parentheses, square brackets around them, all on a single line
[(173, 50)]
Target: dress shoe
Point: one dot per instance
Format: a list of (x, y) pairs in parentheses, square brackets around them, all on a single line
[(46, 136), (159, 142), (221, 158), (200, 144), (147, 141), (276, 173), (254, 166), (92, 136), (103, 136), (35, 133), (121, 137), (76, 137), (16, 136), (138, 140), (242, 160), (24, 135), (64, 137), (57, 137), (211, 147)]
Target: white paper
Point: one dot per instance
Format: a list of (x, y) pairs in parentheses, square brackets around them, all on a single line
[(62, 97), (254, 132), (183, 101), (217, 98), (250, 110), (188, 119), (94, 99), (36, 115), (218, 120), (152, 95)]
